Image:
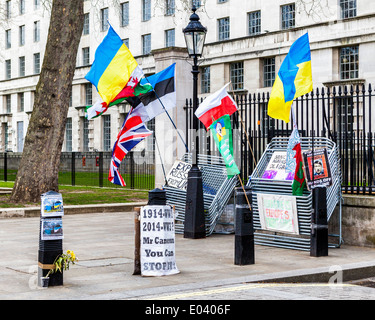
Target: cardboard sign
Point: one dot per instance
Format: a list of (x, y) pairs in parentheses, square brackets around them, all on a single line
[(157, 241), (317, 169), (278, 213), (177, 176), (276, 168)]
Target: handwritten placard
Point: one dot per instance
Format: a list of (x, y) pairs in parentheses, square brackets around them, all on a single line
[(177, 176), (157, 241), (276, 168)]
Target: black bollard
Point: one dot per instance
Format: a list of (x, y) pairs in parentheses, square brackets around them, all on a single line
[(157, 197), (194, 224), (319, 224), (244, 252), (49, 249)]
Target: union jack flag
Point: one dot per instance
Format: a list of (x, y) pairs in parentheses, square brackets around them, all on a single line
[(132, 132)]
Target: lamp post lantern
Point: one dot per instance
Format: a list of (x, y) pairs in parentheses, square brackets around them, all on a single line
[(194, 225)]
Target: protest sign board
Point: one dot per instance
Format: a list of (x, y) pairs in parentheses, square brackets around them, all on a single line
[(317, 168), (276, 168), (177, 176), (51, 229), (157, 241), (278, 213), (52, 204)]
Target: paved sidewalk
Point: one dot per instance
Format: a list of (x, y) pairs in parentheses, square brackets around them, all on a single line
[(104, 244)]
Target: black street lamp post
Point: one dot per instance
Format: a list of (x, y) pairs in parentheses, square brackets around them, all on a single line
[(194, 225)]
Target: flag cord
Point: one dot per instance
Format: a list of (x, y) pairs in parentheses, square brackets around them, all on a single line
[(186, 147), (161, 160), (247, 137)]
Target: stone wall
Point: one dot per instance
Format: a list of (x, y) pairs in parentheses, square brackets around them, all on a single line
[(358, 220)]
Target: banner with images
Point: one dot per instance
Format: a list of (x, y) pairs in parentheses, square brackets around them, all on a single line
[(276, 168), (317, 168), (157, 241), (278, 213), (51, 229), (178, 175), (52, 204), (222, 132)]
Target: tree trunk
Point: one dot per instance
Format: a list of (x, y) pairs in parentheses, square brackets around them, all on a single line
[(39, 167)]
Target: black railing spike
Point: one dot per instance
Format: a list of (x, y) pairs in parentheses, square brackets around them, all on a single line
[(351, 89), (369, 88), (345, 90)]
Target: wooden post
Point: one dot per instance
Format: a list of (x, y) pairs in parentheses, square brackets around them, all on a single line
[(137, 241)]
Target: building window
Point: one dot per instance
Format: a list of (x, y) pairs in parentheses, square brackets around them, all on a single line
[(22, 35), (254, 23), (86, 56), (8, 104), (8, 6), (22, 7), (36, 63), (126, 42), (236, 75), (288, 16), (8, 69), (205, 80), (8, 39), (169, 38), (348, 8), (345, 121), (349, 62), (86, 23), (124, 14), (169, 7), (146, 44), (85, 133), (68, 135), (21, 102), (104, 19), (36, 4), (146, 10), (223, 25), (196, 3), (106, 132), (268, 72), (21, 61), (5, 135), (36, 31), (88, 94)]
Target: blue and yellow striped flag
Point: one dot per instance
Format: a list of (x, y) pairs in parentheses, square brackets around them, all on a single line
[(293, 80)]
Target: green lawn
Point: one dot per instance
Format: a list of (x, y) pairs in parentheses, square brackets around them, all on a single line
[(80, 195)]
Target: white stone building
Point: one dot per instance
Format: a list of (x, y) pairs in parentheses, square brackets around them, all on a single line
[(246, 42)]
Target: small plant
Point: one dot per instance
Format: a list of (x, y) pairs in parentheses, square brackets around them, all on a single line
[(62, 262)]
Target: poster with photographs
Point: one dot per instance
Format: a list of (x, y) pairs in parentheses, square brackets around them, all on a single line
[(52, 204), (317, 169), (51, 229)]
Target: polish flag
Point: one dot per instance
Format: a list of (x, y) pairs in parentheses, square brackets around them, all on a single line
[(215, 106)]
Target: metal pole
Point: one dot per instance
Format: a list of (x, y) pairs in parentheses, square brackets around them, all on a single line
[(194, 224)]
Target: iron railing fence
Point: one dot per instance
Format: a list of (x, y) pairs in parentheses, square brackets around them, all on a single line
[(92, 168), (340, 113)]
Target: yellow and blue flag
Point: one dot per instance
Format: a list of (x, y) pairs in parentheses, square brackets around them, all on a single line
[(293, 80), (114, 69)]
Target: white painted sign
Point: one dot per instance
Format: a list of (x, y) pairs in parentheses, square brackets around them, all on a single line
[(157, 241), (177, 176), (278, 213)]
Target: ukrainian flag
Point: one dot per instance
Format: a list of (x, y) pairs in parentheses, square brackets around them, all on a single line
[(114, 67), (293, 80)]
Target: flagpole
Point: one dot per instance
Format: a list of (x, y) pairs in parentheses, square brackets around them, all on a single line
[(247, 137), (186, 147), (243, 188)]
